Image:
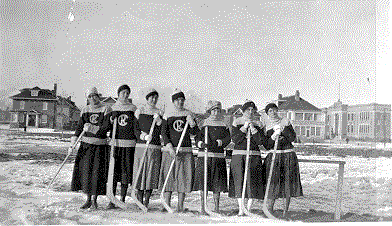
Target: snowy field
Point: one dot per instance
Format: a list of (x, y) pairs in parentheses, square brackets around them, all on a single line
[(28, 166)]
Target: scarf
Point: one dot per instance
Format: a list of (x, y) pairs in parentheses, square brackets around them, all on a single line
[(214, 120)]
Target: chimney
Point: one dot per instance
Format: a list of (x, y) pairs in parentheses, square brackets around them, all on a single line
[(297, 95), (55, 90), (279, 102)]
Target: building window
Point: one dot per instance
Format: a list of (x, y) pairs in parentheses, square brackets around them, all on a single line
[(312, 131), (297, 130), (45, 106), (14, 117), (289, 115), (315, 117), (22, 105), (303, 130), (299, 116), (34, 93), (328, 118), (44, 119), (308, 116), (318, 131)]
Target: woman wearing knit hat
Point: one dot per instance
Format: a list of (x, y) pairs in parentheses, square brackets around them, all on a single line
[(254, 188), (285, 179), (149, 175), (182, 176), (124, 143), (218, 138), (91, 163)]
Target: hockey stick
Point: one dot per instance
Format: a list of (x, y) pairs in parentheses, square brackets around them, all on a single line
[(109, 185), (205, 191), (70, 150), (133, 193), (166, 205), (265, 209), (246, 211)]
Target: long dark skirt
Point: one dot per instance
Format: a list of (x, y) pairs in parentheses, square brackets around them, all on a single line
[(255, 184), (123, 164), (182, 176), (149, 176), (285, 175), (216, 175), (91, 169)]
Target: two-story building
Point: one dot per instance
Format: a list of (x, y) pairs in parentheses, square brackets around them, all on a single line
[(42, 108), (308, 121), (363, 122)]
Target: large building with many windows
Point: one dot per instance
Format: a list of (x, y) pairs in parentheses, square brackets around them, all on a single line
[(308, 121), (362, 122)]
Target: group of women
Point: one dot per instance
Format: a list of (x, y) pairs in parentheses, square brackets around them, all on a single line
[(169, 143)]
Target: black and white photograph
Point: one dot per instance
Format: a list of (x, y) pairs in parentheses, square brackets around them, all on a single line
[(195, 112)]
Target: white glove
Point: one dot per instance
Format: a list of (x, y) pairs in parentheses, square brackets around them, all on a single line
[(277, 127), (159, 120), (148, 138), (276, 134), (170, 147), (246, 124), (73, 140), (88, 127), (191, 121)]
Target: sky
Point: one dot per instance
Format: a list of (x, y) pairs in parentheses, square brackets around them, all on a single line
[(231, 52)]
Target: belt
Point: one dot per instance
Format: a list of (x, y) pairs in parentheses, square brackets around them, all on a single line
[(94, 140), (123, 143), (182, 149), (141, 145), (244, 152), (282, 151), (211, 154)]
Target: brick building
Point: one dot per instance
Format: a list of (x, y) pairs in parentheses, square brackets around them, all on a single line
[(362, 122), (42, 108)]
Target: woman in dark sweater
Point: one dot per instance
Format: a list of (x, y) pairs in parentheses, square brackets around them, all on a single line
[(218, 139), (255, 184), (285, 179)]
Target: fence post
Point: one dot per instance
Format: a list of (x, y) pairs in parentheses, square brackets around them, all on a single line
[(339, 194)]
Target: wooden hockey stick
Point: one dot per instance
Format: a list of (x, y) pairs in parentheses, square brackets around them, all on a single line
[(70, 150), (134, 189), (109, 185), (265, 209), (205, 191), (166, 205), (246, 211)]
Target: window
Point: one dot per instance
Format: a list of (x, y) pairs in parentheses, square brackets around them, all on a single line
[(312, 131), (303, 132), (299, 116), (328, 118), (44, 119), (297, 130), (34, 93), (318, 131), (22, 105), (315, 117), (289, 115), (14, 117), (45, 106), (66, 111), (308, 116)]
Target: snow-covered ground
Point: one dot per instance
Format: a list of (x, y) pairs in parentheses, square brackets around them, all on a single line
[(367, 192)]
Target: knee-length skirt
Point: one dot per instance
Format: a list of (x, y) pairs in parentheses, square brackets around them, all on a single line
[(255, 183), (216, 174), (149, 174), (182, 176), (285, 179), (123, 164), (91, 169)]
